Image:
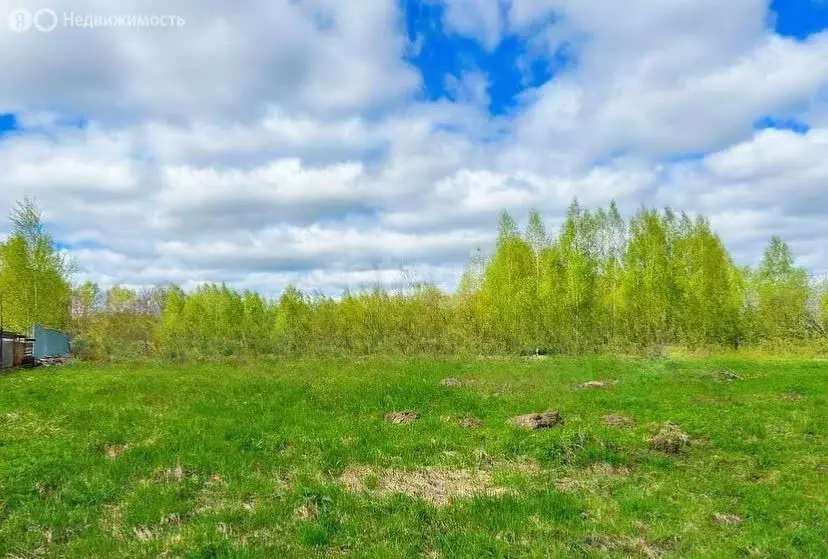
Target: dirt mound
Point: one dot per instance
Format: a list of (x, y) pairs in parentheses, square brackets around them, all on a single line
[(594, 385), (670, 439), (617, 420), (452, 382), (436, 485), (402, 417), (535, 421), (470, 423)]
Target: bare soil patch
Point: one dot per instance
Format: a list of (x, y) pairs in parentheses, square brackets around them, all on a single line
[(534, 421), (402, 417)]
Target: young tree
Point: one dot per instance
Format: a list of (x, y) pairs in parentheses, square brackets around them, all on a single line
[(611, 231), (467, 304), (292, 321), (170, 332), (538, 240), (708, 310), (573, 280), (34, 275), (782, 294), (506, 291), (646, 289)]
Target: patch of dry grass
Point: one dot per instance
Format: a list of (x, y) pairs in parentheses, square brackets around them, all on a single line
[(617, 421), (436, 485), (629, 546)]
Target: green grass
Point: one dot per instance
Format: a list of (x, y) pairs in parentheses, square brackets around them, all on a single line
[(249, 460)]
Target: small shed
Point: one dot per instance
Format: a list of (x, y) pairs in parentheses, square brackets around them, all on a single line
[(50, 343), (15, 349)]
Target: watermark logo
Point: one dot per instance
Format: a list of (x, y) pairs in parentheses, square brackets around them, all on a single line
[(20, 20), (47, 20)]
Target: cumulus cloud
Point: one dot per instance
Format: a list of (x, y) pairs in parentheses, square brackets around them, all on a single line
[(224, 64), (289, 142), (772, 183)]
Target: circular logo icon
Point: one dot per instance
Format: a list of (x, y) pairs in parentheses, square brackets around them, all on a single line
[(45, 20), (20, 20)]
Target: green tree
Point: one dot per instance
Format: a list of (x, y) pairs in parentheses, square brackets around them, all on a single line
[(34, 274), (781, 294), (506, 290), (611, 231), (170, 333), (646, 289), (538, 240), (573, 279), (292, 321), (708, 311)]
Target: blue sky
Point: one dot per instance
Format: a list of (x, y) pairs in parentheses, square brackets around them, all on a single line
[(7, 123), (799, 18), (325, 143), (511, 67)]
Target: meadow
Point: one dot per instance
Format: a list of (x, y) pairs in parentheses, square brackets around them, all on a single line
[(296, 458)]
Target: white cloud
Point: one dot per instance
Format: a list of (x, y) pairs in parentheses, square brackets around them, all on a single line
[(772, 183), (481, 19), (225, 63), (283, 143)]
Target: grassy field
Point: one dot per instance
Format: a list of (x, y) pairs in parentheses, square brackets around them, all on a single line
[(294, 459)]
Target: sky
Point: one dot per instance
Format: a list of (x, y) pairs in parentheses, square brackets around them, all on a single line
[(331, 144)]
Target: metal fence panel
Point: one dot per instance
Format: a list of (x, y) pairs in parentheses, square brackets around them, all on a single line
[(50, 343)]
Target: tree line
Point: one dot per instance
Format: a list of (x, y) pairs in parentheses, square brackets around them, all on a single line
[(600, 284)]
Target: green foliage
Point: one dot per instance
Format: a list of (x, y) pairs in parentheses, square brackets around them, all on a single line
[(781, 295), (600, 285), (121, 323), (823, 308), (34, 274), (506, 293)]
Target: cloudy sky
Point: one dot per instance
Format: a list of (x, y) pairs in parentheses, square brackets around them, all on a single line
[(328, 143)]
